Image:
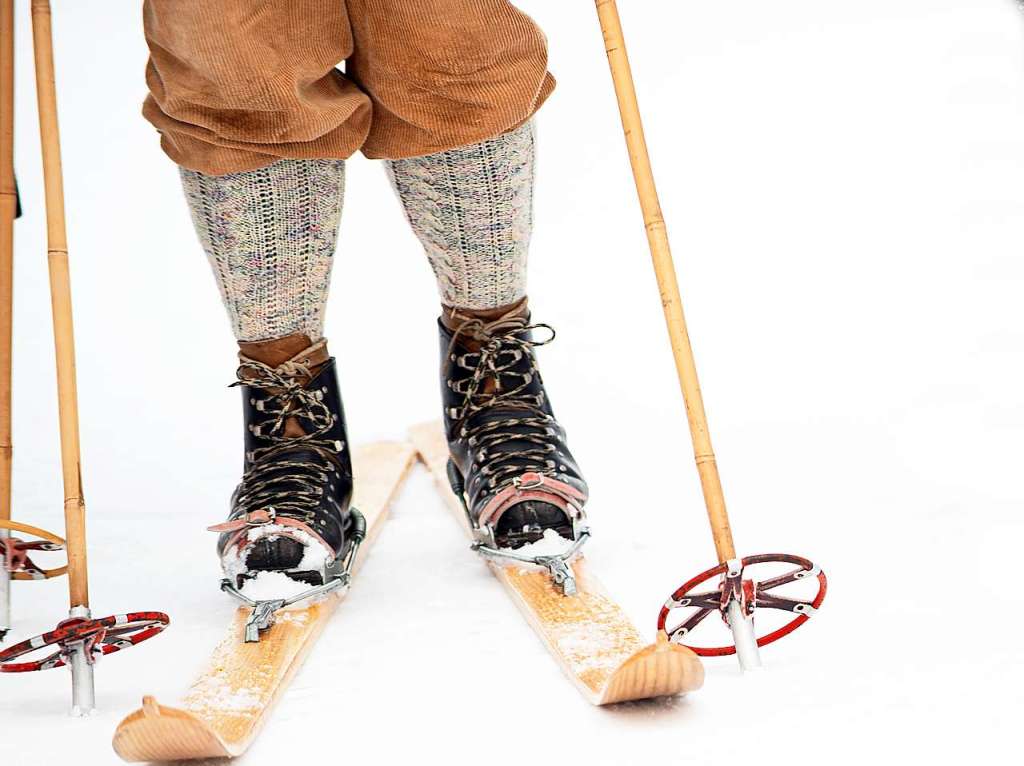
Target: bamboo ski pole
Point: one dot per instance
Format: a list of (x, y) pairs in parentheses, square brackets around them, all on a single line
[(82, 686), (671, 301), (8, 206), (80, 638), (664, 269), (60, 297)]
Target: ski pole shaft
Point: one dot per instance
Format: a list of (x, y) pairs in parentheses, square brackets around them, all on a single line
[(8, 205), (60, 297), (661, 253)]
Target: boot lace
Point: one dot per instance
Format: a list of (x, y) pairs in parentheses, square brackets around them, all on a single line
[(499, 382), (290, 487)]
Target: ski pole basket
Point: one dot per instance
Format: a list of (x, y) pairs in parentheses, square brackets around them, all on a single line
[(735, 587), (14, 552), (96, 637)]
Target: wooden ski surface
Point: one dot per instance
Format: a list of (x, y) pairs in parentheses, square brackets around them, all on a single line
[(227, 705), (588, 634)]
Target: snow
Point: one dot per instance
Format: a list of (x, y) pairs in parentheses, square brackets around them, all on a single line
[(551, 544), (273, 585), (215, 693), (842, 182)]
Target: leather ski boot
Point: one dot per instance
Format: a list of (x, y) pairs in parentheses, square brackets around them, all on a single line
[(509, 460), (290, 513)]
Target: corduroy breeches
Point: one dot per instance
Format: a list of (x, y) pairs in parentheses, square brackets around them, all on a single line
[(235, 84)]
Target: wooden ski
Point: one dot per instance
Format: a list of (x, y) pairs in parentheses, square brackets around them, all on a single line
[(589, 636), (227, 705)]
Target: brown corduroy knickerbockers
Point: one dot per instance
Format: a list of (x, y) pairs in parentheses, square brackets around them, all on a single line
[(236, 85)]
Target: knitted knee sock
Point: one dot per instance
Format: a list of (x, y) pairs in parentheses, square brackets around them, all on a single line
[(270, 235), (472, 208)]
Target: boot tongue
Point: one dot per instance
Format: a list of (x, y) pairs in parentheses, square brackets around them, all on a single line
[(454, 318), (277, 352)]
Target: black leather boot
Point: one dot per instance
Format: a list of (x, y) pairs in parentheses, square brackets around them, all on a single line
[(290, 513), (509, 458)]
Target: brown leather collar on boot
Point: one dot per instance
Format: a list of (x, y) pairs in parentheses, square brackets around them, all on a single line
[(294, 356), (456, 318), (452, 316), (295, 351)]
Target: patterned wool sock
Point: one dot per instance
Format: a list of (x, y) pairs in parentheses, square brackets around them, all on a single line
[(270, 235), (472, 208)]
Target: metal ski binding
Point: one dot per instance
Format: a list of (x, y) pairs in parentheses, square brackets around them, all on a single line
[(484, 543), (559, 565), (337, 576)]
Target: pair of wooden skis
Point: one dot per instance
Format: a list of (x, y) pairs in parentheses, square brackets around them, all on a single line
[(588, 634)]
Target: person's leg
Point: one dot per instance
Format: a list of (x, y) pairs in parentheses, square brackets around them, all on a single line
[(454, 84), (249, 105), (270, 236), (472, 209)]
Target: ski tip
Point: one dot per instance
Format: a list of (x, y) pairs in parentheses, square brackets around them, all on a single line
[(158, 733), (662, 669)]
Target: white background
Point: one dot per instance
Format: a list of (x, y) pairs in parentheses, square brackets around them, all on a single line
[(843, 185)]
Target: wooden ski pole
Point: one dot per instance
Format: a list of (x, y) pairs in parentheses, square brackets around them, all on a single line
[(664, 269), (83, 693), (80, 638), (60, 297), (8, 206)]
